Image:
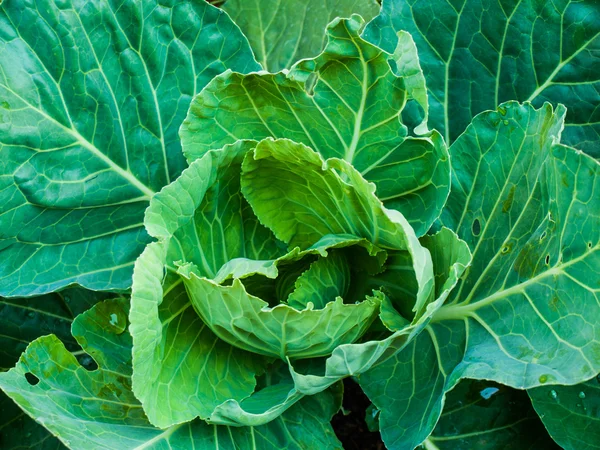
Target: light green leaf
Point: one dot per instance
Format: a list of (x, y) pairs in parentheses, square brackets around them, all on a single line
[(22, 320), (97, 410), (408, 67), (526, 312), (477, 54), (360, 252), (451, 258), (301, 197), (374, 362), (182, 370), (263, 407), (275, 396), (205, 214), (325, 279), (247, 322), (89, 131), (397, 281), (480, 415), (282, 32), (570, 413), (346, 103)]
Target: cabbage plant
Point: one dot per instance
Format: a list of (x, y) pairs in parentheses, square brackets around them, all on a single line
[(215, 220)]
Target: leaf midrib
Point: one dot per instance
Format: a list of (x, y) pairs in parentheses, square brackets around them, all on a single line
[(460, 311), (127, 175), (349, 154)]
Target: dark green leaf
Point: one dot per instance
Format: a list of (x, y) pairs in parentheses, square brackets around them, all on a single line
[(481, 415), (20, 432), (93, 94), (284, 32), (97, 410), (571, 413), (23, 320), (477, 54)]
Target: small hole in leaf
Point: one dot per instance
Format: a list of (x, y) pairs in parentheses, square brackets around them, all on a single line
[(476, 228), (543, 236), (31, 379), (547, 259), (505, 249), (88, 362), (589, 245)]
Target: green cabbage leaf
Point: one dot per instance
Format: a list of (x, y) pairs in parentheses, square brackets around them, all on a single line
[(526, 311), (346, 103), (92, 97), (97, 409), (477, 54)]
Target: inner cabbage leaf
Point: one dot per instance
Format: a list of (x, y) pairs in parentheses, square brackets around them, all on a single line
[(188, 343)]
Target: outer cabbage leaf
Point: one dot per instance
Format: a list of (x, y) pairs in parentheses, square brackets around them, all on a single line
[(479, 415), (283, 32), (19, 432), (89, 131), (345, 103), (22, 320), (477, 54), (570, 413), (414, 368), (526, 312), (97, 410)]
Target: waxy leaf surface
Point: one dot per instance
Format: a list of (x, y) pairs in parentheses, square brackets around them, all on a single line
[(22, 320), (19, 432), (477, 54), (282, 32), (179, 363), (480, 415), (93, 94), (97, 410), (345, 103), (570, 413), (526, 312)]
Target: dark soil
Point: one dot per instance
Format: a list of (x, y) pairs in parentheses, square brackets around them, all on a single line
[(351, 428)]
